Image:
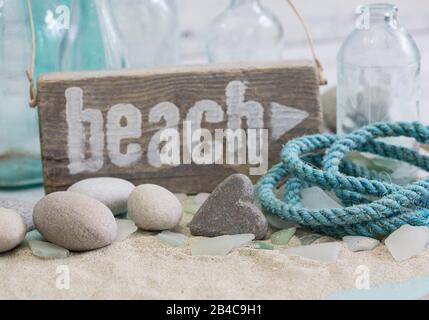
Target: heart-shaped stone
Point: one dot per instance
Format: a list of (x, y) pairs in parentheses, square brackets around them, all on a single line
[(230, 210)]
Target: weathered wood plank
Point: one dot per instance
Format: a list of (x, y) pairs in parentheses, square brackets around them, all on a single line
[(109, 122)]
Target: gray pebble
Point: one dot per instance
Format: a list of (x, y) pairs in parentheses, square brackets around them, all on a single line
[(75, 221), (12, 229), (230, 210), (154, 208), (25, 209)]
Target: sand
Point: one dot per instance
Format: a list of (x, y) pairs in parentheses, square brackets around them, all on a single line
[(143, 267)]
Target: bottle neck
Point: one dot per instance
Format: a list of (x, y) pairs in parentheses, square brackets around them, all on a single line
[(375, 14), (241, 3)]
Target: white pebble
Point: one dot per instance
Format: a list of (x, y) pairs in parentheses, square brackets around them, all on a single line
[(326, 252), (356, 244), (154, 208), (75, 221), (12, 229), (407, 242), (112, 192)]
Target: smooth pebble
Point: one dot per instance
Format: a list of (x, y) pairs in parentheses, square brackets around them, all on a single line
[(25, 209), (47, 250), (230, 210), (75, 221), (407, 242), (356, 244), (112, 192), (12, 229), (154, 208)]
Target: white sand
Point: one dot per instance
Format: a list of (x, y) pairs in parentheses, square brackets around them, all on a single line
[(142, 267)]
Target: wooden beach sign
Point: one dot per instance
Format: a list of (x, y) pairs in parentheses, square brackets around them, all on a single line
[(185, 128)]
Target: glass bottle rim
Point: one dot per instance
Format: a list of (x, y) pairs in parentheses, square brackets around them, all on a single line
[(382, 8)]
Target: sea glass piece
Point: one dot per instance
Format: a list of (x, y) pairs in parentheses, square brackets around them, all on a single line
[(189, 206), (47, 250), (325, 252), (33, 235), (278, 223), (282, 237), (125, 229), (219, 246), (173, 239), (200, 198), (309, 239), (356, 244), (241, 240), (262, 245), (407, 242), (316, 198)]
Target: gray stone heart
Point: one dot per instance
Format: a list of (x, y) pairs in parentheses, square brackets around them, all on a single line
[(230, 210)]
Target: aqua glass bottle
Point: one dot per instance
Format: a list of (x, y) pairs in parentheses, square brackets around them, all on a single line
[(149, 31), (246, 31), (20, 163), (92, 43), (378, 74), (51, 22)]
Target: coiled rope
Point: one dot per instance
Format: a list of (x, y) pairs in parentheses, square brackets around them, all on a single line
[(357, 187)]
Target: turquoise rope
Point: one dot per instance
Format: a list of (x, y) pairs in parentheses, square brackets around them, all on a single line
[(303, 167)]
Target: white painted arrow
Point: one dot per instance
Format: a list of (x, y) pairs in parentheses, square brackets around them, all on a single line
[(284, 119)]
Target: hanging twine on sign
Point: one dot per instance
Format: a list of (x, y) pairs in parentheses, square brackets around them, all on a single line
[(357, 187), (322, 79), (30, 72)]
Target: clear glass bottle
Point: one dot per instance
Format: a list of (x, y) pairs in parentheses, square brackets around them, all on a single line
[(378, 75), (20, 163), (149, 31), (246, 31), (92, 43), (378, 71)]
